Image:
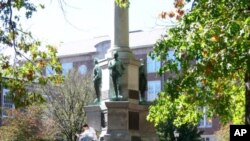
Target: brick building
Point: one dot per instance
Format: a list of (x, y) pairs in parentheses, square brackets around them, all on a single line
[(80, 55)]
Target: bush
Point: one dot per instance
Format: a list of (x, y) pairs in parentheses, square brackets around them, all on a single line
[(187, 132), (27, 125)]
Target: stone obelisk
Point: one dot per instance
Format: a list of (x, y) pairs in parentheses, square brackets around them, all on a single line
[(120, 35), (123, 119), (120, 44)]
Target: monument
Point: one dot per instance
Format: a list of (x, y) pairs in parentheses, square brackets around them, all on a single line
[(97, 79), (119, 116)]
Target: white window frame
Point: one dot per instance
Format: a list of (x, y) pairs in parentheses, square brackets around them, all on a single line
[(205, 122), (12, 106), (66, 67), (153, 65), (49, 71), (205, 139), (170, 56), (82, 69), (210, 137), (154, 87)]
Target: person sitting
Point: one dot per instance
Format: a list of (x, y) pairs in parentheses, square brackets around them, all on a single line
[(88, 134)]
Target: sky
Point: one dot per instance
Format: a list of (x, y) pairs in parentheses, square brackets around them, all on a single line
[(83, 19)]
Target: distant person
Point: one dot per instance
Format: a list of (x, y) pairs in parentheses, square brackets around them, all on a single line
[(88, 134), (117, 68), (97, 79)]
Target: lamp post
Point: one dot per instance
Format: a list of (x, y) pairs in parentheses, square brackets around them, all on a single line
[(176, 135)]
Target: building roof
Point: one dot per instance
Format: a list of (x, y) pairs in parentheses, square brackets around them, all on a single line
[(145, 38), (136, 39), (80, 47)]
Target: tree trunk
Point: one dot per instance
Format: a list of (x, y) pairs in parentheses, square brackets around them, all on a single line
[(247, 93)]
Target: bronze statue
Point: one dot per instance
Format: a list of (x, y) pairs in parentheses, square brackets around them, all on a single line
[(142, 80), (117, 68), (97, 79)]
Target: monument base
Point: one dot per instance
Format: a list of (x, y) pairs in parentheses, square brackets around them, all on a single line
[(93, 113), (127, 122), (121, 121)]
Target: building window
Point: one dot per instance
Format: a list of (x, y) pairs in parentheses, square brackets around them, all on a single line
[(205, 122), (82, 69), (208, 138), (66, 67), (49, 71), (205, 139), (154, 87), (7, 102), (171, 57), (153, 65)]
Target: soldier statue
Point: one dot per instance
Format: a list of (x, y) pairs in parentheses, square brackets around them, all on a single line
[(97, 79), (116, 71)]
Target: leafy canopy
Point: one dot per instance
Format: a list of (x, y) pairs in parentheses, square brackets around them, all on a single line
[(122, 3), (167, 131), (29, 57), (211, 44)]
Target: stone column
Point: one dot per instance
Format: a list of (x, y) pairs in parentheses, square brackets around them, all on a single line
[(120, 44), (120, 36)]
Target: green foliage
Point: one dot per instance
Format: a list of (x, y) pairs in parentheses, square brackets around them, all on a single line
[(189, 132), (66, 102), (186, 132), (224, 133), (27, 125), (122, 3), (29, 56), (211, 43)]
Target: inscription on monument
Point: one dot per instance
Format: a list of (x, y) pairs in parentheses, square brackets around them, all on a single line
[(135, 138), (133, 94), (133, 120), (103, 119)]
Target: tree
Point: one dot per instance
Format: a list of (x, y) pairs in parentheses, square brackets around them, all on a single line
[(223, 134), (187, 132), (122, 3), (29, 57), (211, 44), (27, 125), (66, 103)]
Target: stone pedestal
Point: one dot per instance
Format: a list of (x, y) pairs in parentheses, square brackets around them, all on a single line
[(94, 117), (121, 121), (127, 122), (147, 130)]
